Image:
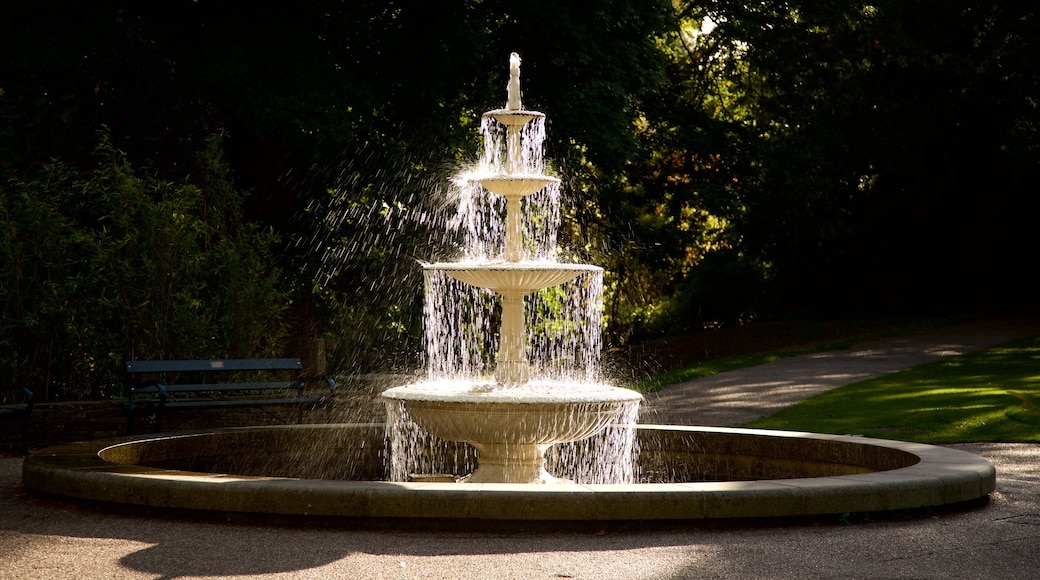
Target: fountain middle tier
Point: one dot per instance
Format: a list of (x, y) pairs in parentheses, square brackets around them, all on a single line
[(513, 281), (513, 187), (514, 118)]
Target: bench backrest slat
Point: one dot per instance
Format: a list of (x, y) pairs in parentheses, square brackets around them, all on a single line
[(215, 387), (21, 395), (183, 366)]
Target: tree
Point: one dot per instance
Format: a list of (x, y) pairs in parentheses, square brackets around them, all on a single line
[(342, 117), (110, 264), (866, 158)]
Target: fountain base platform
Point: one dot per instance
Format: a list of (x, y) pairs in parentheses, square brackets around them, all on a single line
[(319, 474)]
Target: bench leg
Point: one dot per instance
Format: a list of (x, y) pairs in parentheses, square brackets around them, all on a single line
[(131, 413), (25, 435), (129, 421)]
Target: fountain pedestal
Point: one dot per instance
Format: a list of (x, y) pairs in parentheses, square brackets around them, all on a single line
[(502, 463), (512, 367)]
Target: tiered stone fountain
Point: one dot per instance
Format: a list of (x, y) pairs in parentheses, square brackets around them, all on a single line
[(511, 421), (336, 471)]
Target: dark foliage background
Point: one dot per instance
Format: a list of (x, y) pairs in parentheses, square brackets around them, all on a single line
[(726, 162)]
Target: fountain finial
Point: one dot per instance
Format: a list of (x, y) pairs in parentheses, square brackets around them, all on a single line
[(513, 90)]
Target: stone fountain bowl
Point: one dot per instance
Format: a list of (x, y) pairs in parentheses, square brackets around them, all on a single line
[(516, 185), (511, 427), (513, 277), (514, 117), (526, 415)]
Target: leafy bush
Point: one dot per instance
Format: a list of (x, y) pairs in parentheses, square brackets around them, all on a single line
[(97, 266)]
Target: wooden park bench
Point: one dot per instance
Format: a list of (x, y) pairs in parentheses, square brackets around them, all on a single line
[(153, 386), (12, 408)]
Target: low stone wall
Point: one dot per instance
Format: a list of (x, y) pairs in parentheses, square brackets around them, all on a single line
[(57, 423)]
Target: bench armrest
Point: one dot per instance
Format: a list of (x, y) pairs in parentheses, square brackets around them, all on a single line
[(26, 392), (150, 387)]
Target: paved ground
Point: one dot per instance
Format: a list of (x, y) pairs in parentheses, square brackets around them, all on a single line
[(49, 539)]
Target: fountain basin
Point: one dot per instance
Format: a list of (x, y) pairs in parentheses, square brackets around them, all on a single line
[(512, 427), (759, 473)]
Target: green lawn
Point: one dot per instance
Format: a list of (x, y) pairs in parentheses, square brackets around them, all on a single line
[(992, 395)]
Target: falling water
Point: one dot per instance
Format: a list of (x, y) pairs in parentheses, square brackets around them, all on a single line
[(456, 317), (532, 139), (563, 322), (480, 221), (611, 456), (414, 451), (564, 329)]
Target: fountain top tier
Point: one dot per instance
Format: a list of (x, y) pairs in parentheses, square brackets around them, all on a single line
[(514, 180), (514, 183), (514, 276)]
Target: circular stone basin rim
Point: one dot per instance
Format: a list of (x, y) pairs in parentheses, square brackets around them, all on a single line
[(940, 476)]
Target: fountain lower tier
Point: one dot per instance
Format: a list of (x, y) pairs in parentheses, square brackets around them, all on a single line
[(511, 428)]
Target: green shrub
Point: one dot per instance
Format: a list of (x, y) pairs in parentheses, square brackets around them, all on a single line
[(97, 266)]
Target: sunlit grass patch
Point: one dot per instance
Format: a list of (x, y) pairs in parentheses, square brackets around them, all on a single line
[(990, 395)]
